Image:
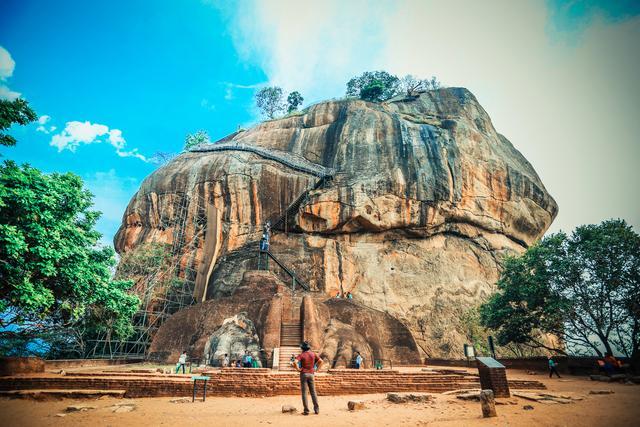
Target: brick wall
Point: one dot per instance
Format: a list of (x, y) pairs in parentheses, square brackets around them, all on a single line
[(568, 365), (255, 382), (20, 365), (79, 363), (494, 379)]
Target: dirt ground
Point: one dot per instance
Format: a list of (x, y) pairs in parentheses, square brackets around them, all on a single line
[(619, 409)]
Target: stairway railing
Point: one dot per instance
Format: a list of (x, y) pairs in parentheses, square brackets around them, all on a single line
[(294, 277)]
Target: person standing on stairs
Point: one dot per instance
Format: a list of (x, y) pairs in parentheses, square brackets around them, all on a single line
[(309, 364)]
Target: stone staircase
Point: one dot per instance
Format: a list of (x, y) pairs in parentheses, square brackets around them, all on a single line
[(290, 338)]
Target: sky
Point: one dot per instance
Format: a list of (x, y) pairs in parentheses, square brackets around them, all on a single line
[(116, 82)]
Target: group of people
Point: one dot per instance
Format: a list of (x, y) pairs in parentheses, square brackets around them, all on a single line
[(348, 295), (610, 365), (246, 361)]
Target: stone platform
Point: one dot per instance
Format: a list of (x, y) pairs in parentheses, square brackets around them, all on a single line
[(255, 382)]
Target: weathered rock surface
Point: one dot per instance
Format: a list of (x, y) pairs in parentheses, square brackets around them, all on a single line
[(237, 335), (236, 323), (426, 200)]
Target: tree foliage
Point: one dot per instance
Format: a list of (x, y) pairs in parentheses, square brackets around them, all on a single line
[(374, 86), (193, 139), (53, 274), (294, 100), (14, 112), (270, 101), (583, 288)]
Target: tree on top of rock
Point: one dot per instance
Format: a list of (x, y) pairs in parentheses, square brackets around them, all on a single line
[(193, 139), (294, 100), (374, 86), (412, 85), (270, 101)]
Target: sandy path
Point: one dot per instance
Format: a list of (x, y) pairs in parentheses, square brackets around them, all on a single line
[(619, 409)]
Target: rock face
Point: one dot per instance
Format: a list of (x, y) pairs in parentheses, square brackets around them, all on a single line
[(236, 335), (426, 199)]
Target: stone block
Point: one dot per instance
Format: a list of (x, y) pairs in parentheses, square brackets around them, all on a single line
[(289, 409), (356, 405), (601, 392)]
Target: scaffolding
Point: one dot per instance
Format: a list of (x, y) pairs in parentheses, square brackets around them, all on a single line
[(166, 290)]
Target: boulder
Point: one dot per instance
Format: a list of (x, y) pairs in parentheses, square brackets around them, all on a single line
[(356, 405), (426, 199)]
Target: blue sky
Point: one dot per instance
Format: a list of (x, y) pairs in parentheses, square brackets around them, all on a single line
[(121, 80)]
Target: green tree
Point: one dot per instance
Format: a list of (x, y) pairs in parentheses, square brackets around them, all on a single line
[(270, 101), (193, 139), (54, 278), (374, 86), (18, 112), (583, 288), (294, 100), (373, 91)]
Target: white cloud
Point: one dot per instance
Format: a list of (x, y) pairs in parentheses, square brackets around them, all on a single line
[(8, 94), (7, 65), (78, 133), (42, 125), (570, 105)]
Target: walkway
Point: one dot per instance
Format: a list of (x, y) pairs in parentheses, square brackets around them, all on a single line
[(290, 160)]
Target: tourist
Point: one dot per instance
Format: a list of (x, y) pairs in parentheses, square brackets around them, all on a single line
[(238, 364), (338, 295), (246, 361), (349, 296), (553, 367), (181, 362), (225, 361), (309, 364), (611, 364), (359, 360)]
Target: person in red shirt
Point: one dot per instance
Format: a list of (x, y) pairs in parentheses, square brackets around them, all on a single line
[(309, 363)]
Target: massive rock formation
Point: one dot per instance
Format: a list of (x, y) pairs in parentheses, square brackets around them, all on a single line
[(426, 198)]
